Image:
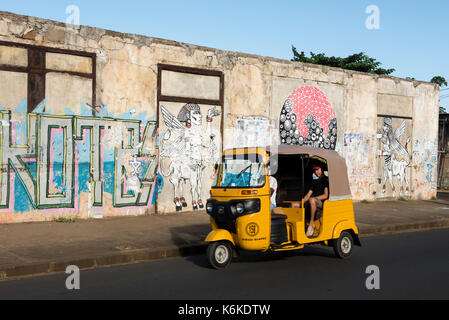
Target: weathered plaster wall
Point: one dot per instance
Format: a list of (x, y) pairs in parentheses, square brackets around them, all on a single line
[(348, 108)]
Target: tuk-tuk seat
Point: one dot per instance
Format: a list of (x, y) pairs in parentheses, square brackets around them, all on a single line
[(277, 216), (290, 190)]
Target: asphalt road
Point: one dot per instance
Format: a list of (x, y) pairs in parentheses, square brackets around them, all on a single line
[(411, 266)]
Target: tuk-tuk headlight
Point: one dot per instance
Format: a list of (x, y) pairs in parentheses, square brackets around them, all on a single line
[(209, 207), (251, 206), (240, 208), (244, 207)]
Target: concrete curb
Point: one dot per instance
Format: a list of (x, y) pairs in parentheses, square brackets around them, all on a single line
[(115, 259), (420, 226), (142, 255)]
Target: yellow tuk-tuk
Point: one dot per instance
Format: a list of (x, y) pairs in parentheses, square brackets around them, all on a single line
[(240, 207)]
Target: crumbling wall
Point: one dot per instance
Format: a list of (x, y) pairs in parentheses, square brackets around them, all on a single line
[(102, 132)]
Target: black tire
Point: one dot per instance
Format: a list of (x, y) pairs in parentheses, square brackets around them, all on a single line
[(219, 254), (343, 245)]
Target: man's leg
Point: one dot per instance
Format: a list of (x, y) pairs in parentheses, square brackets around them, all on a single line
[(312, 210), (311, 227)]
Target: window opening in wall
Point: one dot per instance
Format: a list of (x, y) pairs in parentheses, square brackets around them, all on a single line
[(44, 64)]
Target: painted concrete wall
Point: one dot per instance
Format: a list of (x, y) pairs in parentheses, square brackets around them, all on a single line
[(140, 154)]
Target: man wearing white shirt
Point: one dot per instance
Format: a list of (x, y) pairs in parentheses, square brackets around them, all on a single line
[(273, 183), (273, 188)]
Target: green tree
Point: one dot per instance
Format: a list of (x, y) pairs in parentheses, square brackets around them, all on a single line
[(357, 62), (439, 80)]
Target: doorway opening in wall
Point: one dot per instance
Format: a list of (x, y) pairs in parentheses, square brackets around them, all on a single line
[(190, 118), (394, 156)]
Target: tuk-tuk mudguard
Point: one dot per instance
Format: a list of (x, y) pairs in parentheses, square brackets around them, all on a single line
[(220, 235), (347, 225)]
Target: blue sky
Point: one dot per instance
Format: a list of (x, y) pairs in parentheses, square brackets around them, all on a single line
[(412, 36)]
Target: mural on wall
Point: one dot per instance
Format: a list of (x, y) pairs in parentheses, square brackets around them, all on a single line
[(252, 132), (48, 161), (186, 149), (307, 119), (396, 158), (359, 150), (425, 157)]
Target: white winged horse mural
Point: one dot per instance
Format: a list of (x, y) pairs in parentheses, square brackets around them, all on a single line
[(188, 148), (395, 163)]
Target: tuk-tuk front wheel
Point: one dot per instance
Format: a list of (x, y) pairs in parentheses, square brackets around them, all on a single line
[(343, 245), (219, 254)]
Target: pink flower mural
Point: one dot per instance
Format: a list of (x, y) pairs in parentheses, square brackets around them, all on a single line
[(308, 119)]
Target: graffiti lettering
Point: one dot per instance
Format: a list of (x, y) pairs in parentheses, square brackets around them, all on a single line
[(53, 158)]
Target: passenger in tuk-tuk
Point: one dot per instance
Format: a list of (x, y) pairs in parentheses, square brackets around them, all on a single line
[(316, 196), (273, 183), (318, 193)]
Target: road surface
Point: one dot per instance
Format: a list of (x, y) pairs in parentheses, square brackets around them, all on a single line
[(410, 266)]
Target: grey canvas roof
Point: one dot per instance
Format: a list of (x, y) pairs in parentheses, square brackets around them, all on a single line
[(338, 173)]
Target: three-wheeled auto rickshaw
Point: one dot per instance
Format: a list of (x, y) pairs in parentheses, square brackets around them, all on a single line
[(240, 208)]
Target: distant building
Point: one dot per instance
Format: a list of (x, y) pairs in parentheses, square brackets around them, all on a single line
[(443, 149)]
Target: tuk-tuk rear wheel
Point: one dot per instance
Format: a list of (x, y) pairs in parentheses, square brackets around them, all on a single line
[(343, 245), (219, 254)]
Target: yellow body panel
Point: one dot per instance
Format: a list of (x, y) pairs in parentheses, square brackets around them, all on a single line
[(334, 214), (289, 247), (220, 235), (260, 151), (337, 217), (253, 230), (344, 225)]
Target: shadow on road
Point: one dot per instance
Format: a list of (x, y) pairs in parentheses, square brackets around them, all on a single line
[(193, 236), (200, 259)]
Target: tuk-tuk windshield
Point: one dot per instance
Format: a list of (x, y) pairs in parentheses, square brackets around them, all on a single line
[(241, 171)]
